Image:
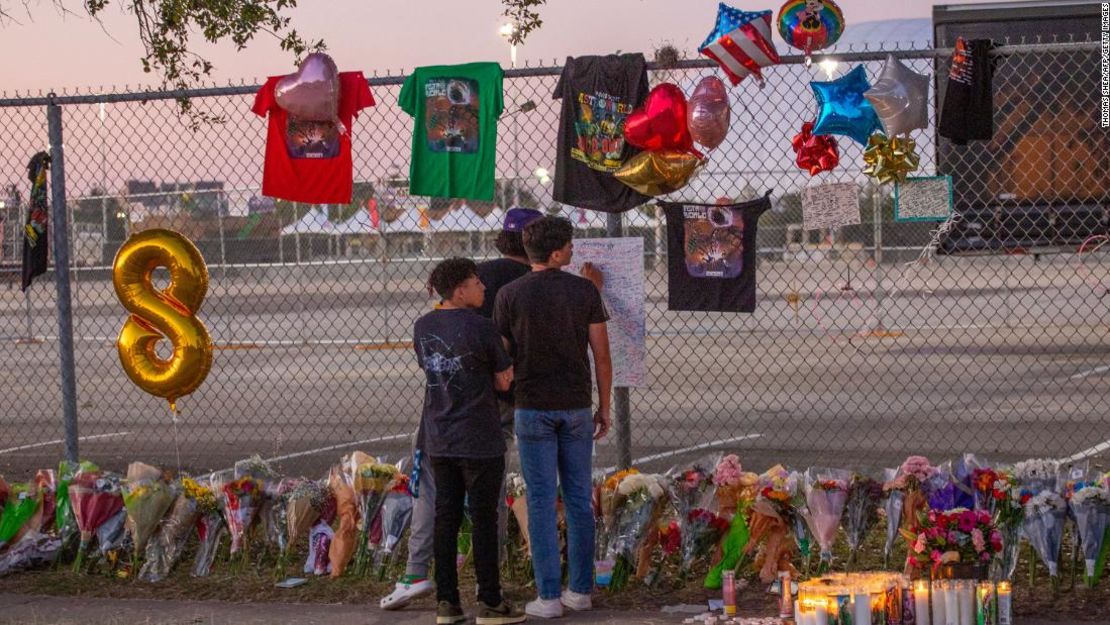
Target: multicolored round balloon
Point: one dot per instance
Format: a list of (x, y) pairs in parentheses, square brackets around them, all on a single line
[(811, 25)]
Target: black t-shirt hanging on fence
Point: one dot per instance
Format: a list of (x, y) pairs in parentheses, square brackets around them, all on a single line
[(711, 255), (968, 111), (598, 93), (459, 352)]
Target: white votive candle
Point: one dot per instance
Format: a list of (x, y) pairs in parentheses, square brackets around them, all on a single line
[(921, 602), (967, 602)]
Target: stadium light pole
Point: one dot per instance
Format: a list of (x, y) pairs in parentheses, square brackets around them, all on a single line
[(507, 31)]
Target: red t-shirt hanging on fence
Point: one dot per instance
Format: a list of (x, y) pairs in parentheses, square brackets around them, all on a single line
[(308, 161)]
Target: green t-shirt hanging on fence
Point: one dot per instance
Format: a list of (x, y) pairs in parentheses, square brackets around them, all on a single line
[(454, 140)]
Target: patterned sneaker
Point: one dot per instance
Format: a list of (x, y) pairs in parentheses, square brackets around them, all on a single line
[(449, 614), (504, 614), (409, 589)]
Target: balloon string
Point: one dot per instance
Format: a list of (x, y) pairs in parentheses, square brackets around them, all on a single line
[(176, 439)]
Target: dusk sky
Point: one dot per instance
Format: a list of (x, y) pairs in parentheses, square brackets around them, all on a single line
[(50, 50)]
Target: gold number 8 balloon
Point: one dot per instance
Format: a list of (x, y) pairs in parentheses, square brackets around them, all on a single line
[(163, 314)]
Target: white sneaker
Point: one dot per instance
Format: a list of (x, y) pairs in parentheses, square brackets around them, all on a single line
[(577, 601), (406, 591), (544, 608)]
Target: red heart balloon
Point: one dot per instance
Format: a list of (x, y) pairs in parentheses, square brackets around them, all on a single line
[(660, 124)]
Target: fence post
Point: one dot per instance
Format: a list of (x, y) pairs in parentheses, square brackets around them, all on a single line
[(60, 230), (877, 228), (622, 417)]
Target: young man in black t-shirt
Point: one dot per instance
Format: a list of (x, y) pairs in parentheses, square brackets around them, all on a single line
[(464, 360), (551, 320)]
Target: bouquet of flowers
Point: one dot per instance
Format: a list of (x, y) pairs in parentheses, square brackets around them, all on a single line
[(861, 512), (346, 510), (146, 497), (940, 488), (702, 531), (95, 498), (957, 536), (736, 488), (371, 481), (46, 484), (909, 482), (239, 500), (516, 499), (303, 505), (395, 517), (982, 483), (638, 503), (275, 517), (166, 547), (1091, 507), (22, 502), (606, 508), (319, 541), (826, 493), (772, 518), (1045, 516), (33, 549), (1008, 512), (893, 502)]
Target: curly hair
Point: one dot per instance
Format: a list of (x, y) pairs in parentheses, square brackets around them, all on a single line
[(545, 236), (449, 274)]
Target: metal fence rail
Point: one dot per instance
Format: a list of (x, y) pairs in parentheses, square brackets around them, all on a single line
[(857, 354)]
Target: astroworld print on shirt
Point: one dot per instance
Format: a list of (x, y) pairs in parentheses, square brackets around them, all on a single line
[(452, 108), (600, 131)]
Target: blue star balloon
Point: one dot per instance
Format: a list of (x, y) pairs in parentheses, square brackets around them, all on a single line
[(842, 108)]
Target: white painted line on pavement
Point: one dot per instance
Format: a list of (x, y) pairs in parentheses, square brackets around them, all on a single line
[(1095, 371), (91, 437), (312, 452), (685, 450), (1086, 453)]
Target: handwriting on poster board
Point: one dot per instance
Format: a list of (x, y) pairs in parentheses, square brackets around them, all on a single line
[(923, 199), (621, 262), (830, 206)]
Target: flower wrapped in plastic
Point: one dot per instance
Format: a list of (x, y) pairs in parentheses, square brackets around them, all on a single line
[(303, 505), (893, 501), (239, 500), (275, 518), (956, 536), (46, 485), (638, 504), (1008, 512), (861, 512), (606, 508), (982, 484), (395, 516), (771, 521), (146, 497), (34, 549), (1090, 506), (908, 498), (826, 493), (371, 481), (319, 541), (346, 532), (516, 498), (1045, 516), (96, 498), (940, 489), (702, 531), (167, 545), (22, 502)]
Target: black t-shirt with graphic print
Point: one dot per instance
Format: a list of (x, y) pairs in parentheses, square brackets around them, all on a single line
[(459, 352)]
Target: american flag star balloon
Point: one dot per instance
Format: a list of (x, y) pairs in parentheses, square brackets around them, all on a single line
[(741, 43)]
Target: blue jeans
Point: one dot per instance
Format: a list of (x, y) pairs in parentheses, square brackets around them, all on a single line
[(558, 443)]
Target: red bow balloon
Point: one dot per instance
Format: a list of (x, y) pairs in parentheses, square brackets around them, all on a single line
[(660, 124), (816, 153)]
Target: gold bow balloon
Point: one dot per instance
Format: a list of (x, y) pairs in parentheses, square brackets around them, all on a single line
[(890, 159), (658, 173), (158, 314)]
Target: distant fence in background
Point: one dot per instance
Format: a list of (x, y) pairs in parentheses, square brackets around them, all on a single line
[(857, 355)]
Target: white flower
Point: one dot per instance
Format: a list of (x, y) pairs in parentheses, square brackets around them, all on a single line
[(1036, 469), (641, 482), (1091, 495), (1046, 501)]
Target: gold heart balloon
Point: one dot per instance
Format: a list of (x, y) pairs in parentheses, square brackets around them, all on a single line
[(168, 313), (658, 173)]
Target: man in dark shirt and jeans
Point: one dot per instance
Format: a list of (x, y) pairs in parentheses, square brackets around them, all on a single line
[(464, 359), (549, 319)]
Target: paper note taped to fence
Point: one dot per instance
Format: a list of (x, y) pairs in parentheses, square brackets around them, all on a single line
[(622, 264), (923, 199), (830, 206)]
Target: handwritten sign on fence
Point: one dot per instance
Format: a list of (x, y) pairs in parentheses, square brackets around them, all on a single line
[(830, 206), (927, 198), (621, 261)]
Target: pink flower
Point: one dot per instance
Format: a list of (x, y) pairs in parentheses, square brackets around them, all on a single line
[(996, 540), (985, 556), (919, 546), (935, 556), (918, 467), (967, 521), (978, 540), (984, 517), (728, 471)]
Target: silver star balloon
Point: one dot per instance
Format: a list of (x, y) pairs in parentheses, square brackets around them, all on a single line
[(900, 98)]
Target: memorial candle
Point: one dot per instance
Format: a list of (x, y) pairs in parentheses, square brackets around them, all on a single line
[(1005, 604), (966, 594), (921, 602)]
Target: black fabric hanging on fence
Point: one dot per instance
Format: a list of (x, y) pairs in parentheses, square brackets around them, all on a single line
[(35, 243), (711, 255), (968, 111), (598, 94)]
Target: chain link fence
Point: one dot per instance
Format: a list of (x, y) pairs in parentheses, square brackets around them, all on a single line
[(866, 345)]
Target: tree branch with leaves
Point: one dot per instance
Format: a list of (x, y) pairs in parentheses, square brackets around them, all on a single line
[(524, 14)]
